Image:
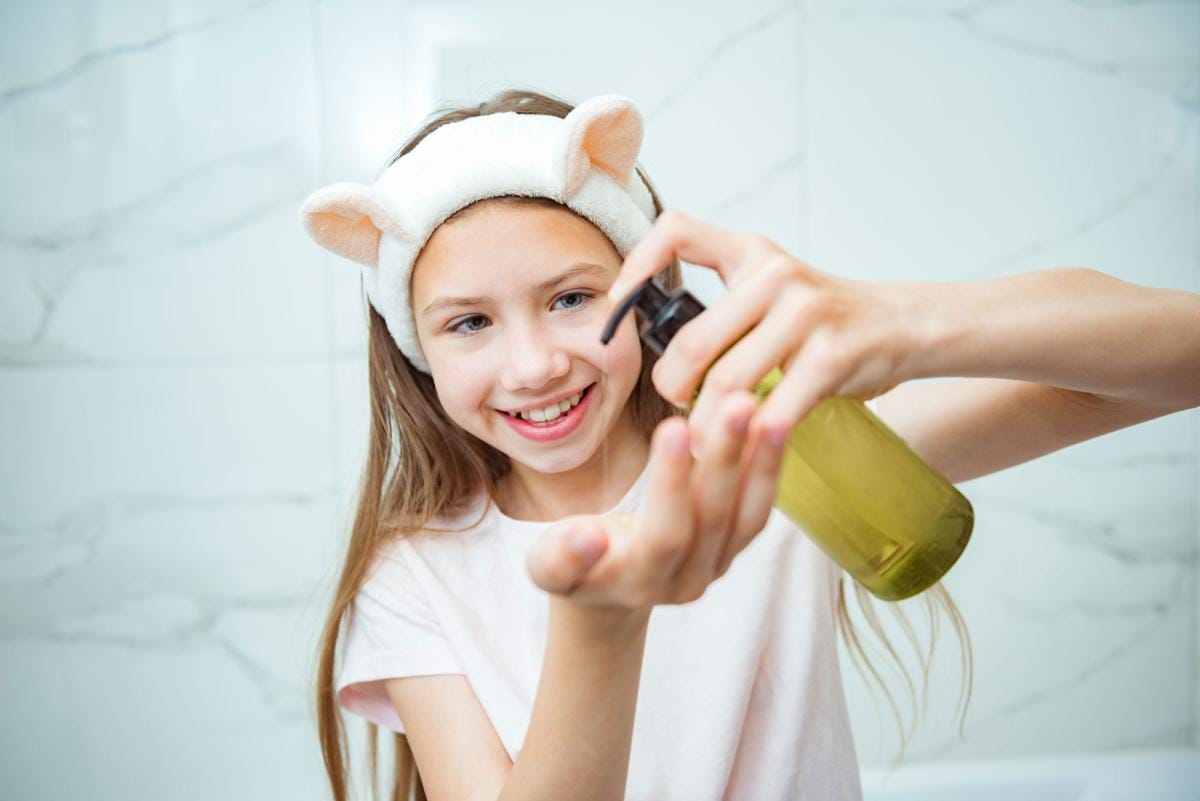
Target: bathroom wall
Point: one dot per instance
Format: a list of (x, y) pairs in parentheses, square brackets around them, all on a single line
[(182, 371)]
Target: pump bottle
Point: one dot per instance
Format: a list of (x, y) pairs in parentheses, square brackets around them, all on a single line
[(847, 480)]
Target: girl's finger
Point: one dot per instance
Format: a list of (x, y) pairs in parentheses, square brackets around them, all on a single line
[(755, 497), (664, 524), (676, 235), (561, 558), (715, 488)]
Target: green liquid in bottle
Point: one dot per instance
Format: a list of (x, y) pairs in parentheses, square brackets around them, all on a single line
[(868, 500)]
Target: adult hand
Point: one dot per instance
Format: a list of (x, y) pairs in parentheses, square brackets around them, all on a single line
[(830, 335), (697, 515)]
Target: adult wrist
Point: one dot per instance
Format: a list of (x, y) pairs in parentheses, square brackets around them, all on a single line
[(936, 329)]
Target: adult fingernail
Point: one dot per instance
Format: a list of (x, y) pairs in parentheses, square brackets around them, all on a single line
[(777, 437)]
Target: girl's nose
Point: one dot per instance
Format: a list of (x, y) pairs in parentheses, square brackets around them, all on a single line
[(533, 360)]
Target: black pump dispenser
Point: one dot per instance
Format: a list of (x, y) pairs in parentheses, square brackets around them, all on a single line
[(662, 314)]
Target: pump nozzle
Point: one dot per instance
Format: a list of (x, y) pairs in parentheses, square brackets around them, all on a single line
[(663, 314), (655, 295)]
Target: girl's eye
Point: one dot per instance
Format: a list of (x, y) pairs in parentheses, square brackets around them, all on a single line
[(461, 327), (584, 297), (456, 327)]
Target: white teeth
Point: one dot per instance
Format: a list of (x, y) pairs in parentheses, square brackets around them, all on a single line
[(551, 412)]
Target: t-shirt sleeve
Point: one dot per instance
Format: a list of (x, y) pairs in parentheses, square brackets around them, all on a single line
[(392, 632), (872, 404)]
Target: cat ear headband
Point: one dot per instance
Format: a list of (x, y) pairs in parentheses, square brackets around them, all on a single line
[(585, 161)]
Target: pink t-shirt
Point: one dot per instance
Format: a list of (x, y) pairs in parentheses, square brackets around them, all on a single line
[(741, 694)]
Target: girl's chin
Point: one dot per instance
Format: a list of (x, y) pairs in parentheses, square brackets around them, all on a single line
[(562, 459)]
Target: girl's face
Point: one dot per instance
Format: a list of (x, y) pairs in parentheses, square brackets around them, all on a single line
[(509, 303)]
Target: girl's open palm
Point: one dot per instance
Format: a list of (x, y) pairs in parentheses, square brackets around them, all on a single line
[(697, 515)]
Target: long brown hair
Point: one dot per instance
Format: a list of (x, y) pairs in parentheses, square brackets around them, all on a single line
[(420, 464)]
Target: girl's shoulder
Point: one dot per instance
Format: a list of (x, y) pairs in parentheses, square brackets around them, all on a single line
[(455, 525)]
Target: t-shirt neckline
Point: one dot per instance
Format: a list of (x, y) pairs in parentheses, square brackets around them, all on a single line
[(626, 504)]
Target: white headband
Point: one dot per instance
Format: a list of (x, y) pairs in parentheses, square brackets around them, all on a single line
[(585, 161)]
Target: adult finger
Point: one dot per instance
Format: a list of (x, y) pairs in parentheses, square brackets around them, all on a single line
[(768, 345), (699, 342), (561, 558), (676, 235), (815, 372)]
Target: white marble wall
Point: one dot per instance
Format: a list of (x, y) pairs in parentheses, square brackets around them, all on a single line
[(182, 370)]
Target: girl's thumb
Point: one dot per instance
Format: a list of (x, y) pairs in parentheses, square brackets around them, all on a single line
[(586, 542), (561, 558)]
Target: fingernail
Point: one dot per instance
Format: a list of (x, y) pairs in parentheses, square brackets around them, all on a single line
[(585, 543), (679, 442), (739, 424), (777, 437)]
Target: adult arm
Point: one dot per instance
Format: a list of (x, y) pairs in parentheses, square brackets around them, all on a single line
[(1052, 358)]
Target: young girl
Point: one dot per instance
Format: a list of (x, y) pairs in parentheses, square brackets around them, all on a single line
[(551, 590)]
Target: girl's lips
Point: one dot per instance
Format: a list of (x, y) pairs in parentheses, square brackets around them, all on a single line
[(564, 424)]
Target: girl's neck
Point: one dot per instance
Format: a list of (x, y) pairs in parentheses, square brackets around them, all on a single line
[(592, 488)]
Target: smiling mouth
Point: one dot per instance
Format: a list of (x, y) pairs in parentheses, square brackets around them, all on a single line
[(551, 413)]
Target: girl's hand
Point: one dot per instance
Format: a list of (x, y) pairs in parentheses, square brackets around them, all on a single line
[(831, 336), (697, 515)]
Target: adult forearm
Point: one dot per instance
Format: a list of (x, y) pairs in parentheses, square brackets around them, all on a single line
[(1074, 328), (579, 736)]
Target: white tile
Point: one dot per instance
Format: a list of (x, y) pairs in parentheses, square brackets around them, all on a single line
[(944, 156), (86, 440), (186, 631)]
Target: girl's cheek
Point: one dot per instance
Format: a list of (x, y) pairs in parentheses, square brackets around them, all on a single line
[(462, 383), (471, 381), (625, 349)]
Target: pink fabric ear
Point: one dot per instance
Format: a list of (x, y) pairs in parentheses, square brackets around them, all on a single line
[(605, 131), (347, 218)]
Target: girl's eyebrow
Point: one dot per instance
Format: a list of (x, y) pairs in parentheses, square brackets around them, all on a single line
[(576, 269)]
